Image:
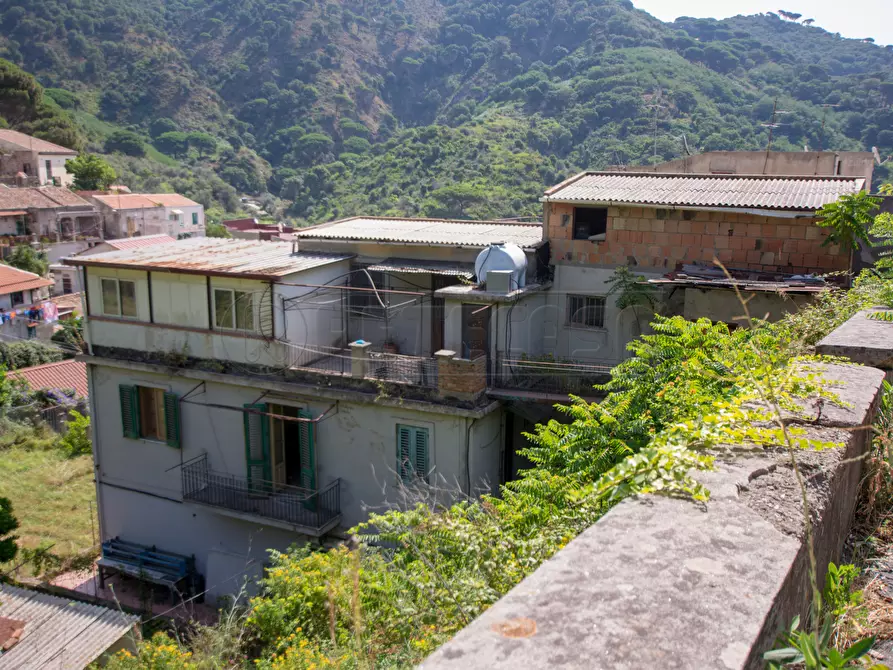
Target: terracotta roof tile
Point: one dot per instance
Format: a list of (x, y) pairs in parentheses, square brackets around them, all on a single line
[(39, 197), (29, 143), (144, 200), (13, 280), (70, 374)]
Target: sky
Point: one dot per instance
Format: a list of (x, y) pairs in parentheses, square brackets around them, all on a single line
[(868, 18)]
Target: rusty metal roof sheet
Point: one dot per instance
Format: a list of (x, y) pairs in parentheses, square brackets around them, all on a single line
[(448, 232), (59, 633), (137, 242), (705, 190), (410, 266), (214, 256)]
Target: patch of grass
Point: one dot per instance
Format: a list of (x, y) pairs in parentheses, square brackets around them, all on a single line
[(155, 155), (51, 497)]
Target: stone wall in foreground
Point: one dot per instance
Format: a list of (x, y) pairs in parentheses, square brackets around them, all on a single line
[(668, 583)]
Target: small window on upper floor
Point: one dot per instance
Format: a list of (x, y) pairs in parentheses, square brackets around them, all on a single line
[(118, 297), (590, 222), (233, 310), (586, 311)]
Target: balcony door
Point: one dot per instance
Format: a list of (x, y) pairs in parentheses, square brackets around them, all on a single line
[(475, 331), (292, 453)]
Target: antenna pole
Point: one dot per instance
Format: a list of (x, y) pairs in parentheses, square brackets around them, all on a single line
[(772, 124)]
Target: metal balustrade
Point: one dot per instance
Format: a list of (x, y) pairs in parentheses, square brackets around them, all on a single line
[(549, 376), (315, 512)]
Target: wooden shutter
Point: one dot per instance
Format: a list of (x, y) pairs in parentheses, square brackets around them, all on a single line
[(308, 451), (172, 419), (257, 447), (420, 453), (404, 453), (130, 411), (265, 313)]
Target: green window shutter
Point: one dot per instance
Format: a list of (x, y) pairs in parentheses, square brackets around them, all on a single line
[(420, 453), (130, 411), (257, 447), (404, 453), (308, 451), (195, 218), (172, 419)]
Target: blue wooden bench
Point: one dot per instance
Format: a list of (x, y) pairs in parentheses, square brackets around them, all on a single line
[(174, 571)]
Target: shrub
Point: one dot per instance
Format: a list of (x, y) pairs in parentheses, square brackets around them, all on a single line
[(15, 355), (76, 440)]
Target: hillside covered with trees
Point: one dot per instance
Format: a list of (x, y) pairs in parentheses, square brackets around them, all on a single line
[(433, 107)]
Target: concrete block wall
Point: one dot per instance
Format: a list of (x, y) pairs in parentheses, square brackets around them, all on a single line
[(663, 238), (663, 582)]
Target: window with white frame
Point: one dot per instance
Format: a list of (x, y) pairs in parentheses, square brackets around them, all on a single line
[(233, 310), (586, 311), (118, 297)]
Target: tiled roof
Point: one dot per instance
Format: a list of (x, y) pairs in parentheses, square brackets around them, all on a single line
[(13, 280), (59, 633), (28, 143), (450, 232), (137, 242), (214, 256), (724, 191), (145, 200), (39, 197), (68, 302), (70, 374)]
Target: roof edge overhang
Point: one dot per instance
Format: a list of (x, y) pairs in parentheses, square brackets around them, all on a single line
[(394, 243), (758, 211)]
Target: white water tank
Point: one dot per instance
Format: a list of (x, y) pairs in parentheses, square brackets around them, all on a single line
[(502, 258)]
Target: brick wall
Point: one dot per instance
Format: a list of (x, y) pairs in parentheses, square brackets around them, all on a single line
[(462, 377), (661, 239)]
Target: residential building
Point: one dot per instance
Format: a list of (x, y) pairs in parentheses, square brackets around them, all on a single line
[(50, 212), (251, 229), (236, 406), (132, 215), (21, 289), (66, 278), (31, 161), (248, 395)]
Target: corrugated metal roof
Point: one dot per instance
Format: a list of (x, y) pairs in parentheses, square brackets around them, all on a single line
[(13, 280), (724, 191), (68, 374), (59, 633), (214, 256), (450, 232), (137, 242), (28, 143), (424, 267)]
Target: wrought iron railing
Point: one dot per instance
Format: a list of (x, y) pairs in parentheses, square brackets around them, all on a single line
[(324, 359), (314, 510), (549, 376)]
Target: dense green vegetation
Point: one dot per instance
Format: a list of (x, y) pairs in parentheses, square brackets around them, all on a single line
[(445, 108)]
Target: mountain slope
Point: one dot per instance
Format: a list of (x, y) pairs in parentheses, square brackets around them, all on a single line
[(375, 105)]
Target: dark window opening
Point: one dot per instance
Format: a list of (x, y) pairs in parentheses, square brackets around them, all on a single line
[(586, 311), (589, 222)]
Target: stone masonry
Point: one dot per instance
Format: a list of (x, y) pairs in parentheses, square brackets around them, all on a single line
[(663, 238)]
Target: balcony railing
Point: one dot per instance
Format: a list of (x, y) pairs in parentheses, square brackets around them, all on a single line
[(310, 512), (381, 365), (549, 377)]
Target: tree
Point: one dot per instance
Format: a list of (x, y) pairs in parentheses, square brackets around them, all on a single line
[(91, 173), (161, 126), (849, 219), (454, 201), (174, 143), (24, 257), (125, 142), (8, 523), (216, 230), (202, 142)]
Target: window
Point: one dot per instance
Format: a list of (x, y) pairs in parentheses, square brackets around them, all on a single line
[(589, 222), (118, 297), (233, 310), (151, 414), (195, 218), (66, 284), (586, 311), (412, 453), (367, 302), (49, 166), (17, 298)]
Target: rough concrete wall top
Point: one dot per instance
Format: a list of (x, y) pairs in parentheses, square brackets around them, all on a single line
[(667, 583), (862, 340)]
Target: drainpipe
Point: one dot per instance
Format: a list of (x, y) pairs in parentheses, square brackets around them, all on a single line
[(97, 472)]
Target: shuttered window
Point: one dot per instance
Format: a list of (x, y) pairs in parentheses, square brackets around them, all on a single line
[(257, 447), (151, 414), (412, 453)]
